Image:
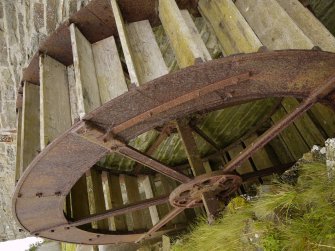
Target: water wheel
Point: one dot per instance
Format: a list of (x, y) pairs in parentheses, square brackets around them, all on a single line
[(122, 150)]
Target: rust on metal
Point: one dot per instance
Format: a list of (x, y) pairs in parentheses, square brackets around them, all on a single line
[(110, 213), (273, 74), (200, 88), (266, 137), (190, 195)]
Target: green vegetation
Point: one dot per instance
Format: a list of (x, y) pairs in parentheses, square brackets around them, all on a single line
[(298, 215)]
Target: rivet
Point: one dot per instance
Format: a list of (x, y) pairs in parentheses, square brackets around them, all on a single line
[(19, 195), (58, 193), (39, 195), (52, 230), (37, 234), (89, 239)]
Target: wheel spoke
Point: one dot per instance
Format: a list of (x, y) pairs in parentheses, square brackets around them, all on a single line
[(194, 158), (170, 216), (94, 134), (152, 163), (164, 134), (266, 137), (113, 212)]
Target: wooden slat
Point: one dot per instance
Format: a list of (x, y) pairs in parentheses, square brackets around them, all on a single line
[(18, 145), (325, 118), (281, 150), (304, 124), (180, 36), (55, 111), (30, 131), (133, 195), (122, 31), (73, 94), (99, 200), (277, 30), (231, 29), (273, 26), (187, 49), (87, 96), (116, 201), (86, 80), (246, 166), (146, 183), (147, 58), (195, 35), (309, 24), (191, 149), (111, 80), (261, 158), (291, 136)]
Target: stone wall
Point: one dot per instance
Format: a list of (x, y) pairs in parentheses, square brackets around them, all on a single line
[(23, 25)]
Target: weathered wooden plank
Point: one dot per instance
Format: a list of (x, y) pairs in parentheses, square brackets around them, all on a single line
[(281, 150), (325, 117), (30, 131), (231, 29), (309, 24), (146, 183), (149, 64), (180, 36), (195, 35), (304, 124), (73, 94), (133, 195), (246, 166), (188, 47), (147, 58), (277, 30), (195, 161), (122, 31), (272, 25), (291, 136), (107, 199), (55, 111), (111, 80), (262, 159), (99, 200), (18, 145), (190, 148), (86, 80), (116, 201)]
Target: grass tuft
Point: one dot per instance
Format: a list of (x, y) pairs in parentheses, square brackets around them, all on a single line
[(283, 216)]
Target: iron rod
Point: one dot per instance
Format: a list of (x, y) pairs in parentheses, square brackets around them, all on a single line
[(266, 137), (150, 162)]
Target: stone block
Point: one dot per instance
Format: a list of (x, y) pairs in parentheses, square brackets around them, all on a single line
[(51, 15), (38, 16)]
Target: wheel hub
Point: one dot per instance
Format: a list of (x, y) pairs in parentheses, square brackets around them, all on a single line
[(189, 195)]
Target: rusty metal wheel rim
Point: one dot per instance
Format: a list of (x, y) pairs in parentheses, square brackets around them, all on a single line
[(203, 88)]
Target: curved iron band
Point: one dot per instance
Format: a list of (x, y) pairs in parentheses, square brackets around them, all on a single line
[(39, 196)]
